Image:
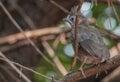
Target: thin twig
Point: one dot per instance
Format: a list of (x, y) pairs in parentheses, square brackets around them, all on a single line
[(15, 68), (6, 48), (31, 70), (109, 15), (23, 14), (56, 42), (10, 73), (116, 14), (76, 36), (63, 39), (59, 6), (57, 62), (21, 30), (60, 38)]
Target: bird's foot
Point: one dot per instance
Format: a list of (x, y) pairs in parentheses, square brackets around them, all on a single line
[(83, 73)]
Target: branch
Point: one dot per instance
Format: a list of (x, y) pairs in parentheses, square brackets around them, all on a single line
[(59, 6), (27, 19), (26, 68), (15, 68), (57, 62), (10, 73), (92, 71), (30, 34)]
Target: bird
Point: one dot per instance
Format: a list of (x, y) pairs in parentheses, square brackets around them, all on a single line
[(91, 48)]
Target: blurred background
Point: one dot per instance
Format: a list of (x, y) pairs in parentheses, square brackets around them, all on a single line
[(43, 22)]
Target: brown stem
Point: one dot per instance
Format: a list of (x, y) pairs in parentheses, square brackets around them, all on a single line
[(92, 71), (57, 62), (39, 32), (58, 6), (76, 37)]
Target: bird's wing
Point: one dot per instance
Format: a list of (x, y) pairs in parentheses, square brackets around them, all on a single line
[(91, 42), (91, 47)]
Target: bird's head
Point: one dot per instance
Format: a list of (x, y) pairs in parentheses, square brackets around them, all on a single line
[(71, 18)]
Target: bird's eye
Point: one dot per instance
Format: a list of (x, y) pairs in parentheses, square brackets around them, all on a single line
[(72, 18)]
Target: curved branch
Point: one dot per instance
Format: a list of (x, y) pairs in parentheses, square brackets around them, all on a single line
[(92, 71)]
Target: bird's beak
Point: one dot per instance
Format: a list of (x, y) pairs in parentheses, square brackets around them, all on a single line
[(68, 22)]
